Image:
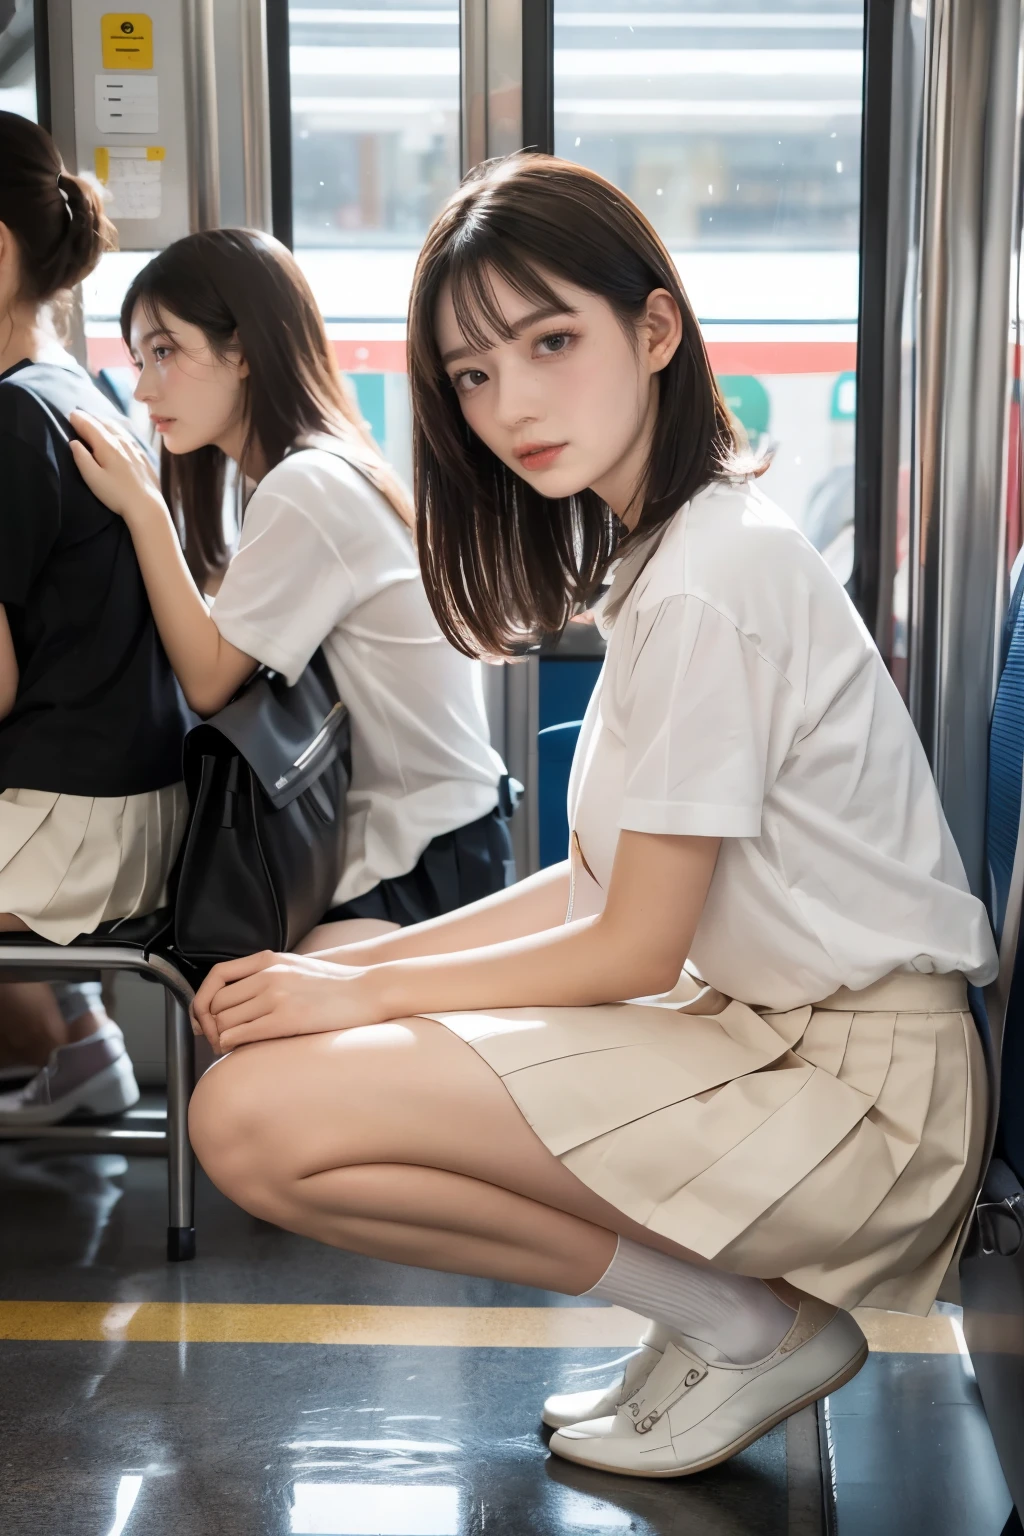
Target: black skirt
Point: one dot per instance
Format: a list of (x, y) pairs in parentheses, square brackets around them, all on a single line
[(454, 869)]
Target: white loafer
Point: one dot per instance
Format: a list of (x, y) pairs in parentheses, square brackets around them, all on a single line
[(689, 1415), (573, 1407)]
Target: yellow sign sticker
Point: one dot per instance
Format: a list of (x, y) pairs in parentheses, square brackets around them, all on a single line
[(102, 157), (127, 40)]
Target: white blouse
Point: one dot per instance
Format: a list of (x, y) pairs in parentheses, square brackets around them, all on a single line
[(323, 559), (742, 698)]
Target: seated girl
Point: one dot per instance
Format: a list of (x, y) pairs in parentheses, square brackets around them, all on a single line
[(91, 720), (235, 366)]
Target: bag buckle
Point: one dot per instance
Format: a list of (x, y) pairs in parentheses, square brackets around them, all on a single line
[(1001, 1226), (510, 792)]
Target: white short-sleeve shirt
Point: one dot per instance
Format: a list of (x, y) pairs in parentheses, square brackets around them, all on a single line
[(324, 560), (742, 698)]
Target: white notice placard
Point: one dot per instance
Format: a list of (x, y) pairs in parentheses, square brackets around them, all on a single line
[(133, 178), (127, 103)]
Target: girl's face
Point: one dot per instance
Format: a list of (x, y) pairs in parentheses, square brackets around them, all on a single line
[(569, 402), (194, 395)]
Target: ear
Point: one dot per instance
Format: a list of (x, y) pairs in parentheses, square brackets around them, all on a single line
[(663, 326), (8, 250), (240, 360)]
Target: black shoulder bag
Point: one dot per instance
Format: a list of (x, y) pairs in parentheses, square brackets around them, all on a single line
[(264, 848)]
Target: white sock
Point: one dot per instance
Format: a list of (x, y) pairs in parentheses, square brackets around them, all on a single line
[(77, 997), (722, 1317)]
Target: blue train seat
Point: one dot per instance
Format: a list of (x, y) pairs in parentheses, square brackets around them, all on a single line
[(992, 1267), (566, 683)]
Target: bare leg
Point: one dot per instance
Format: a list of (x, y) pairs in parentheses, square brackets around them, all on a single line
[(353, 931), (30, 1024), (397, 1140)]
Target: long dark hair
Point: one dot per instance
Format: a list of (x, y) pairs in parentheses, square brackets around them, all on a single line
[(244, 289), (57, 219), (502, 564)]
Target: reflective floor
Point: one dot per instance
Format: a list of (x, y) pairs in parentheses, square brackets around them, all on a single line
[(275, 1386)]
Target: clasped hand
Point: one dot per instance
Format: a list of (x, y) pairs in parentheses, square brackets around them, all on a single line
[(270, 996)]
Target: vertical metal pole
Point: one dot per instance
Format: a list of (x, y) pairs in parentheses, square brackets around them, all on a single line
[(504, 77), (968, 234), (279, 91), (522, 722), (41, 30), (894, 57), (58, 67), (201, 103), (538, 75), (496, 46), (181, 1166), (255, 115), (473, 81)]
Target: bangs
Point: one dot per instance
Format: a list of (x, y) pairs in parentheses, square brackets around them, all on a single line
[(476, 260)]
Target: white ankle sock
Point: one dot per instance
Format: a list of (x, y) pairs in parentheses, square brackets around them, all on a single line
[(722, 1317)]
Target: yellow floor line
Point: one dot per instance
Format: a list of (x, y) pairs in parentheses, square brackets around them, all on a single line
[(204, 1322)]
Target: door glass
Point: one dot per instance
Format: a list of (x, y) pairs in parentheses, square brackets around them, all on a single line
[(17, 58), (375, 153), (736, 128)]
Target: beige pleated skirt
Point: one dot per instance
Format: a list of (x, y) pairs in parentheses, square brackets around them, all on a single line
[(837, 1146), (69, 863)]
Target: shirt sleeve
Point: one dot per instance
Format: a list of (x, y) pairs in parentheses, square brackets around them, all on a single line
[(704, 716), (29, 516), (285, 589)]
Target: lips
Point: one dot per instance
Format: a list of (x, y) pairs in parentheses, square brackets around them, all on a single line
[(538, 455), (161, 423)]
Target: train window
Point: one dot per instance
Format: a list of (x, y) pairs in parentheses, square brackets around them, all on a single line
[(736, 128), (375, 122), (18, 58), (375, 153)]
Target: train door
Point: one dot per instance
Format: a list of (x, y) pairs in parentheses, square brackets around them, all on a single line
[(737, 131)]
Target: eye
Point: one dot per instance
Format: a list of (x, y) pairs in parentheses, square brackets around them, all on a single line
[(555, 342), (468, 380), (161, 353)]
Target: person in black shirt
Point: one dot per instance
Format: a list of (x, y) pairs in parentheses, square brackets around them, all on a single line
[(91, 719)]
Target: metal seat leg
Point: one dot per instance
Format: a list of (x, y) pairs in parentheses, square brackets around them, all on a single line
[(181, 1166)]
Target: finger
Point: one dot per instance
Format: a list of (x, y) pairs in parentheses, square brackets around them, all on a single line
[(242, 1013), (227, 971), (238, 992), (269, 1027), (87, 465), (90, 429), (208, 1028)]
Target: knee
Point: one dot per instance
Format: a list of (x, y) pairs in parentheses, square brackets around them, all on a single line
[(232, 1131)]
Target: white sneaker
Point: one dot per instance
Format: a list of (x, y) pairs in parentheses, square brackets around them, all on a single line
[(91, 1077), (689, 1415), (573, 1407)]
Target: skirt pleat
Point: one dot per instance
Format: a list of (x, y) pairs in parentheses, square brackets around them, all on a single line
[(837, 1146), (69, 863)]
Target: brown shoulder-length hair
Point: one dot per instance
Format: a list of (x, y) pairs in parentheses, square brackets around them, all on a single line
[(501, 563), (245, 290)]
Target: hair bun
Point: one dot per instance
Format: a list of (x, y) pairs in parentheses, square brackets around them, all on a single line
[(56, 218), (88, 234)]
